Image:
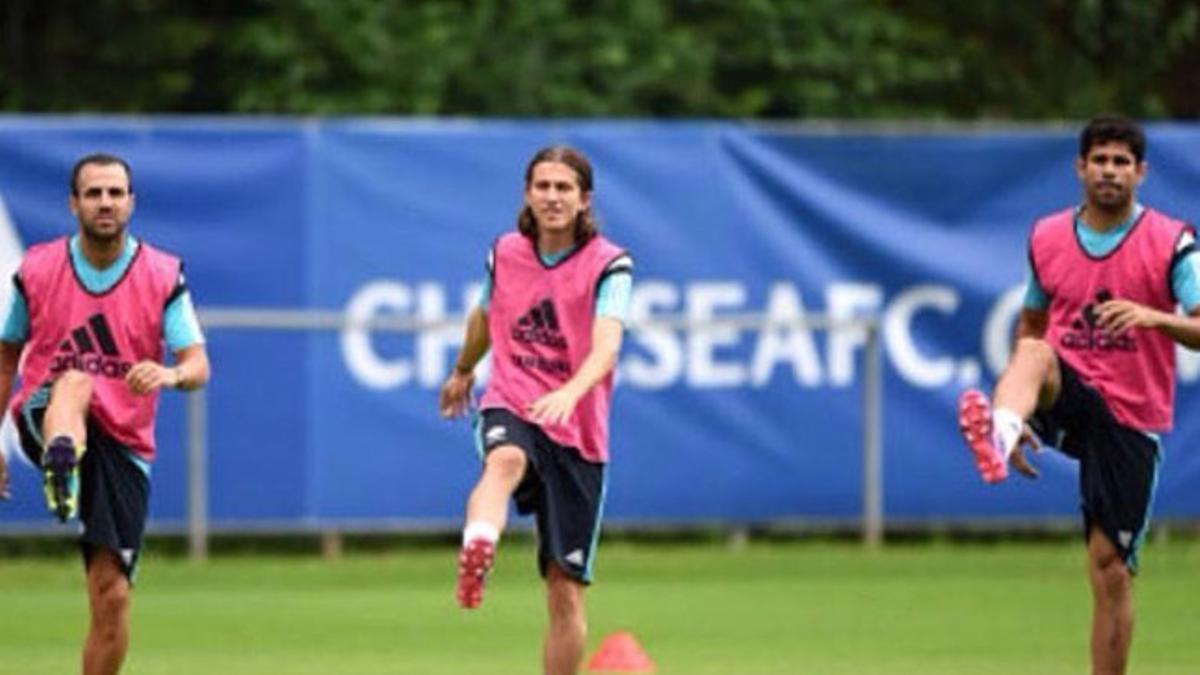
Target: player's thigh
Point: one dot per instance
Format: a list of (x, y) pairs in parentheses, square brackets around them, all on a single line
[(1118, 477), (114, 499), (570, 518)]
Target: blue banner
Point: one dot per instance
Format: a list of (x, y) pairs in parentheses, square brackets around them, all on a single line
[(925, 231)]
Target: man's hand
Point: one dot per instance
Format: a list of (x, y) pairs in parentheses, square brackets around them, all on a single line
[(1017, 459), (4, 493), (455, 397), (147, 376), (1118, 316), (553, 408)]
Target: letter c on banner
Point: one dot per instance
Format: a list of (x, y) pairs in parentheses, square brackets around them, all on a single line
[(363, 361), (998, 328), (897, 334)]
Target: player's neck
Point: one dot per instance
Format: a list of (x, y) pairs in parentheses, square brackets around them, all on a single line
[(551, 243), (100, 254), (1101, 219)]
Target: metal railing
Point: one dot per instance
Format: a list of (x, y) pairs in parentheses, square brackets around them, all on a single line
[(213, 319)]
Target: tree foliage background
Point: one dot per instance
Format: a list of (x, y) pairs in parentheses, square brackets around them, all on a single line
[(774, 59)]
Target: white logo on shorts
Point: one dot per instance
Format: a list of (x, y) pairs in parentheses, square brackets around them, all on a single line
[(496, 434), (1125, 536), (575, 557)]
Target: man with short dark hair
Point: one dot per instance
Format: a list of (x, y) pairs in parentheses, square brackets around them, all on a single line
[(1093, 368), (87, 324)]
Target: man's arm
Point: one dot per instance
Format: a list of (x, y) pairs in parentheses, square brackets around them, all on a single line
[(556, 407), (191, 367), (1119, 316), (454, 397), (10, 356), (1183, 329), (191, 371), (476, 342), (184, 338), (1031, 323)]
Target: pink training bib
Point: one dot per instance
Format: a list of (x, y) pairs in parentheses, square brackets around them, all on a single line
[(102, 334), (1133, 371), (540, 321)]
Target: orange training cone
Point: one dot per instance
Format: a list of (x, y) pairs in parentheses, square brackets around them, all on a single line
[(620, 653)]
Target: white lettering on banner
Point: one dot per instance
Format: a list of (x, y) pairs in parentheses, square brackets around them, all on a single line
[(847, 301), (917, 368), (384, 298), (368, 367), (703, 370), (666, 357), (999, 326), (793, 343), (435, 345), (709, 357)]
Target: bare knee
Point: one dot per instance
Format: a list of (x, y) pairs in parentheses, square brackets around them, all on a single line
[(110, 608), (1036, 356), (1111, 578), (74, 384), (108, 595), (1036, 350), (564, 597), (69, 399), (506, 462)]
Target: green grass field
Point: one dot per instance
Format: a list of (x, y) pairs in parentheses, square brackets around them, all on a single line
[(698, 609)]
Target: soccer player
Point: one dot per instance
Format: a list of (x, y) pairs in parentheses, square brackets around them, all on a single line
[(87, 323), (552, 311), (1093, 368)]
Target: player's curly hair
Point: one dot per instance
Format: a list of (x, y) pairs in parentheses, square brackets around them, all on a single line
[(585, 222)]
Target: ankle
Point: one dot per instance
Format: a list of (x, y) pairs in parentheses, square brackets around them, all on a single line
[(1008, 427), (480, 529)]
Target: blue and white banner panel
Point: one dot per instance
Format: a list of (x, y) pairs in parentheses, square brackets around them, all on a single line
[(378, 218)]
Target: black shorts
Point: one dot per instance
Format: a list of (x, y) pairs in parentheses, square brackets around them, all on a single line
[(564, 492), (1118, 465), (114, 489)]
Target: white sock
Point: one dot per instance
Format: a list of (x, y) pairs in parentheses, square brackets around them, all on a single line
[(479, 529), (1007, 426)]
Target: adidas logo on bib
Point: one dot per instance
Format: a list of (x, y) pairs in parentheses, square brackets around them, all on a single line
[(91, 348), (539, 325)]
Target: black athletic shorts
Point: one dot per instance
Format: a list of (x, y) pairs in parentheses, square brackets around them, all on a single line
[(114, 490), (1118, 465), (564, 492)]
